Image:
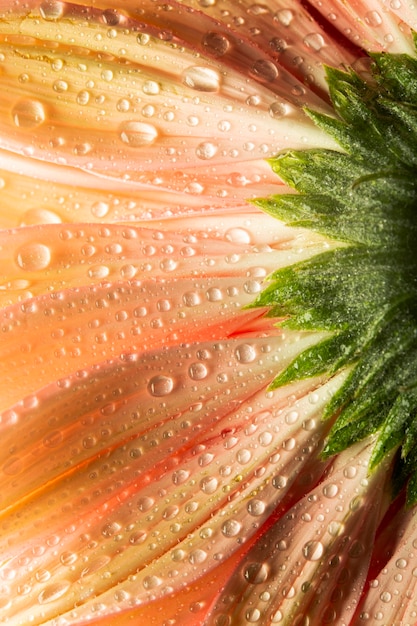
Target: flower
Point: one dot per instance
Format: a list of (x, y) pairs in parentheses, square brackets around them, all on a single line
[(168, 350)]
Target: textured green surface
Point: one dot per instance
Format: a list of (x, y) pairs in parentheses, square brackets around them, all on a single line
[(365, 291)]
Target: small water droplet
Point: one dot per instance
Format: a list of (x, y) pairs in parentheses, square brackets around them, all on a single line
[(137, 134), (33, 257), (256, 573), (264, 70)]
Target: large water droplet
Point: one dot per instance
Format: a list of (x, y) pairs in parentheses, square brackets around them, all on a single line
[(160, 386), (53, 592), (313, 550), (137, 134), (216, 43), (201, 78), (264, 70), (28, 113), (206, 150), (33, 256), (51, 9)]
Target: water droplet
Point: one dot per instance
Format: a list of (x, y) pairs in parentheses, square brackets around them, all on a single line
[(137, 134), (373, 18), (191, 298), (197, 371), (100, 209), (151, 88), (206, 150), (39, 216), (201, 78), (279, 482), (264, 70), (231, 528), (253, 616), (160, 386), (216, 43), (208, 484), (256, 507), (313, 550), (197, 556), (51, 10), (28, 113), (278, 110), (150, 582), (401, 563), (245, 353), (330, 491), (83, 97), (256, 573), (237, 235), (285, 16), (13, 466), (33, 257), (53, 592), (386, 596), (53, 439), (315, 41)]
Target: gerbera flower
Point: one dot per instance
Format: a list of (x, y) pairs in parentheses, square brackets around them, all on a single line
[(207, 411)]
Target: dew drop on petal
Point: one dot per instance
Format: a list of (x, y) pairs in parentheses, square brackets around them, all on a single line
[(197, 371), (245, 353), (237, 235), (206, 150), (53, 592), (313, 550), (160, 386), (51, 10), (330, 491), (216, 43), (201, 78), (373, 19), (33, 257), (264, 70), (256, 573), (28, 113), (137, 134), (314, 41), (231, 528)]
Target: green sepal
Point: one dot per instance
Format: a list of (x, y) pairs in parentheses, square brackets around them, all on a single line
[(363, 291)]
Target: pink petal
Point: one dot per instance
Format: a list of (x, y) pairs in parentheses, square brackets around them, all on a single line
[(392, 596), (310, 566)]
